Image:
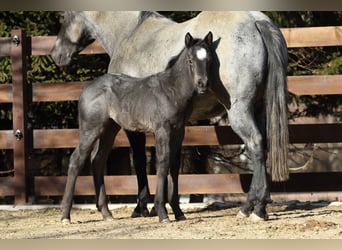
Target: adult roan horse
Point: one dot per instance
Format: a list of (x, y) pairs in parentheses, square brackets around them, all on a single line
[(160, 103), (252, 59)]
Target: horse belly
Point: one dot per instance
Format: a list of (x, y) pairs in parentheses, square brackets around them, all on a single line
[(205, 106), (135, 112), (130, 122)]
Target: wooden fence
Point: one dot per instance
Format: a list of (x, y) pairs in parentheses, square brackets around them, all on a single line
[(22, 141)]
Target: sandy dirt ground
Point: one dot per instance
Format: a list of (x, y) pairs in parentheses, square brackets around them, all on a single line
[(215, 221)]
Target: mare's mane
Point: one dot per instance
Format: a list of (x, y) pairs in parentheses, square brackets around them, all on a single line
[(146, 14)]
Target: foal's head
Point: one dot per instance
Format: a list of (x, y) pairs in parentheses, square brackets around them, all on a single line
[(199, 58), (73, 36)]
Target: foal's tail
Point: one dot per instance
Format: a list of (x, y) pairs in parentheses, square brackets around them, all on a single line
[(276, 99)]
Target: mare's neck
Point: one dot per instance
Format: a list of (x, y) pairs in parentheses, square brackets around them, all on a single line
[(111, 27)]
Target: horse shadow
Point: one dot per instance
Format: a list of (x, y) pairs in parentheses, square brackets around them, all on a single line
[(295, 210)]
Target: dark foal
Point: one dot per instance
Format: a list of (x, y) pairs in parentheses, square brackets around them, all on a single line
[(160, 103)]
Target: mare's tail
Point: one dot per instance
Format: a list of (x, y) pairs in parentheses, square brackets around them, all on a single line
[(276, 99)]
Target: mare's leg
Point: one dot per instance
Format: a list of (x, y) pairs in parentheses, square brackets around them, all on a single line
[(241, 118), (138, 141), (176, 140), (162, 139), (98, 162), (76, 163)]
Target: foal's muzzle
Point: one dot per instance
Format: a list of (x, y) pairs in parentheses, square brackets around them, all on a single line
[(202, 85)]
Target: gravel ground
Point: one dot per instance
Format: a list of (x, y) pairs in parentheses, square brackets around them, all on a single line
[(215, 221)]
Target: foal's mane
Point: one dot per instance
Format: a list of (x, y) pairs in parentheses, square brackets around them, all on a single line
[(174, 59)]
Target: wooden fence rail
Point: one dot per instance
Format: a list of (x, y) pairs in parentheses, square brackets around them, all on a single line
[(18, 139)]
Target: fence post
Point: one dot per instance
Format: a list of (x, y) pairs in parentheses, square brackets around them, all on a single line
[(19, 81)]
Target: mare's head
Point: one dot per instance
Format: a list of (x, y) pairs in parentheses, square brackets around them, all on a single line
[(73, 36), (199, 58)]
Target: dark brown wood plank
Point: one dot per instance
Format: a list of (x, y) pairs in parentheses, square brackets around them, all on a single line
[(6, 95), (127, 184), (5, 46), (55, 138), (69, 138), (299, 133), (204, 135), (192, 184), (194, 136), (54, 92), (298, 85), (313, 36), (295, 37), (7, 186), (6, 139), (19, 116), (315, 85), (42, 45)]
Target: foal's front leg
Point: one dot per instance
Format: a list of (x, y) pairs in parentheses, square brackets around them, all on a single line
[(176, 140), (162, 140)]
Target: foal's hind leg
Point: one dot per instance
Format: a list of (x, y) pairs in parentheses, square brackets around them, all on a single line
[(98, 162), (138, 141), (76, 163), (242, 121)]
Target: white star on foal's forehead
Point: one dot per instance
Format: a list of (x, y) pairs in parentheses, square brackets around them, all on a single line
[(201, 54)]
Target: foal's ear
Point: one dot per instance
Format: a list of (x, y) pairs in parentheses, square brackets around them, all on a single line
[(188, 39), (209, 38)]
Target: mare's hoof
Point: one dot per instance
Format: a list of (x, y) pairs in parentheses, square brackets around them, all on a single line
[(108, 218), (166, 220), (179, 218), (242, 215), (144, 213), (66, 221), (256, 218)]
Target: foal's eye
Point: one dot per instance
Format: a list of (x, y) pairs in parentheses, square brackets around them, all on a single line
[(191, 65)]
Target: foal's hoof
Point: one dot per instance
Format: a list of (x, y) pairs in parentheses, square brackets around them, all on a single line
[(242, 215), (135, 214), (256, 218), (66, 221), (153, 212)]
